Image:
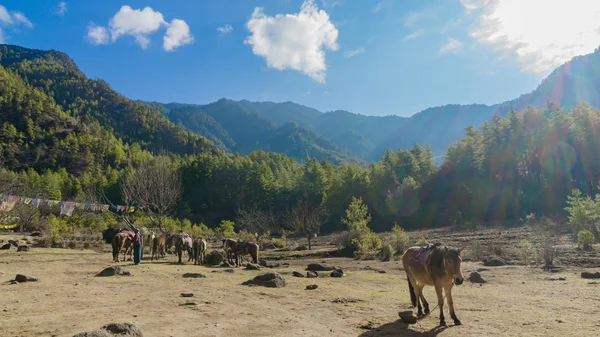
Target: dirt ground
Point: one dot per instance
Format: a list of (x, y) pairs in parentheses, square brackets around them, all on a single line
[(68, 299)]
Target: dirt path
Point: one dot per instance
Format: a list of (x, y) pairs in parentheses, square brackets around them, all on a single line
[(69, 299)]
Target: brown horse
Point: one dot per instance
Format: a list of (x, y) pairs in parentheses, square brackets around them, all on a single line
[(437, 266), (120, 241), (240, 248), (158, 247), (183, 242), (199, 250)]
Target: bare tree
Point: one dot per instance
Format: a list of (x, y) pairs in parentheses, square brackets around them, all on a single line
[(155, 188), (306, 219), (256, 221)]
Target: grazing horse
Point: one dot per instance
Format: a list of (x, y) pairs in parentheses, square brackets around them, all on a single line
[(120, 241), (200, 246), (183, 242), (228, 246), (437, 266), (158, 247), (239, 249)]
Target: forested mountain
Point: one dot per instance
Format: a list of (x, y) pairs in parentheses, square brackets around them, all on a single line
[(57, 76)]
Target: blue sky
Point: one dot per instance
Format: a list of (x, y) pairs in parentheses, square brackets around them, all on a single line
[(369, 57)]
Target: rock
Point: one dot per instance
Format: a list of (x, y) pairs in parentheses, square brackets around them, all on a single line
[(188, 304), (23, 248), (194, 275), (407, 317), (112, 271), (589, 275), (494, 262), (270, 280), (367, 326), (382, 271), (114, 329), (57, 245), (7, 246), (269, 264), (215, 258), (555, 278), (337, 273), (14, 282), (15, 243), (187, 294), (301, 247), (320, 267), (25, 278), (269, 246), (36, 234), (311, 287), (252, 266), (297, 274), (475, 277), (312, 274)]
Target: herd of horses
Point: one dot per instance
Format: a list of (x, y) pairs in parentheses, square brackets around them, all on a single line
[(427, 265), (196, 249)]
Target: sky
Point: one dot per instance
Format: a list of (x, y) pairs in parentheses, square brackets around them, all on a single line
[(389, 57)]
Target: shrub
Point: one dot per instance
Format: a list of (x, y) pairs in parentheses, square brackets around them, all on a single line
[(477, 251), (422, 240), (387, 253), (526, 253), (400, 239), (585, 239), (57, 229), (548, 254), (360, 238), (226, 229)]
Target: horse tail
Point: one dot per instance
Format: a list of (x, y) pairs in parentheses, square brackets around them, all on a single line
[(411, 289)]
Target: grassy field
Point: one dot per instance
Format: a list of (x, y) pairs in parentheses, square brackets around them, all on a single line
[(515, 301)]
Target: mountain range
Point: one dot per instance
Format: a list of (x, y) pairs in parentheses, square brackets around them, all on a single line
[(293, 129)]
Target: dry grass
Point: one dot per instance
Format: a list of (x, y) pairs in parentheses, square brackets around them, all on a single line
[(516, 301)]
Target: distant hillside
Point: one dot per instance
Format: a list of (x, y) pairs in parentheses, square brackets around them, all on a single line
[(94, 100)]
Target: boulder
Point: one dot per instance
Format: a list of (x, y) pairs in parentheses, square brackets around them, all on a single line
[(112, 271), (320, 267), (589, 275), (312, 274), (252, 266), (215, 258), (337, 273), (194, 275), (269, 264), (7, 246), (23, 248), (270, 280), (25, 278), (297, 274), (475, 277), (494, 262)]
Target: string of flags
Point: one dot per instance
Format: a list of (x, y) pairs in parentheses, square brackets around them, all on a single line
[(8, 202)]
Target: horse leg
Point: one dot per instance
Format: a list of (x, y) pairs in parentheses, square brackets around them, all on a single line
[(438, 291), (448, 291), (425, 303)]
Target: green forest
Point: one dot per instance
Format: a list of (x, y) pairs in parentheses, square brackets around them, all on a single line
[(64, 136)]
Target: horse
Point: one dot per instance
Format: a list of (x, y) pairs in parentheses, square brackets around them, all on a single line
[(199, 249), (440, 268), (183, 242), (229, 247), (158, 247), (120, 241), (239, 249)]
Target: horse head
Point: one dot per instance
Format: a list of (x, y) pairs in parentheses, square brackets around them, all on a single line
[(452, 261)]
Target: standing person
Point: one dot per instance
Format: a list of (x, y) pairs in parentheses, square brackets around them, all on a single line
[(137, 247)]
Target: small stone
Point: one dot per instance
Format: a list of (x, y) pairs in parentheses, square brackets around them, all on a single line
[(311, 287), (188, 304), (297, 274), (194, 275), (407, 317), (589, 275), (25, 278), (475, 277), (23, 248), (270, 280), (337, 273), (187, 294), (555, 278), (312, 274), (252, 266)]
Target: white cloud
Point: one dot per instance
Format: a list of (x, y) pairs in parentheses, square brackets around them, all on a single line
[(294, 41), (380, 5), (137, 23), (350, 53), (1, 36), (413, 35), (471, 5), (97, 34), (141, 24), (178, 34), (62, 8), (452, 47), (542, 34), (13, 18), (225, 29), (411, 18)]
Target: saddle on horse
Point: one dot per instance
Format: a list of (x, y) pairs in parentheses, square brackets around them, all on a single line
[(424, 252)]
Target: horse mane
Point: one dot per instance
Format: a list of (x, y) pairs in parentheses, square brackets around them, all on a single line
[(436, 259)]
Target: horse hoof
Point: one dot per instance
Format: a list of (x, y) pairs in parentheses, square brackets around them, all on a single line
[(457, 322), (443, 323)]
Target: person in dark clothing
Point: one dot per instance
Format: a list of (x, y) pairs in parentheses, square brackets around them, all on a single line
[(137, 247)]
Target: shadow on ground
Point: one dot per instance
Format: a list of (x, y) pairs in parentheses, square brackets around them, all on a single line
[(401, 329)]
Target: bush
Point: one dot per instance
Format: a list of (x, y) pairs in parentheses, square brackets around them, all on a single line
[(226, 229), (387, 253), (422, 240), (58, 229), (477, 251), (548, 254), (360, 238), (400, 241), (277, 242), (585, 239), (526, 252)]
